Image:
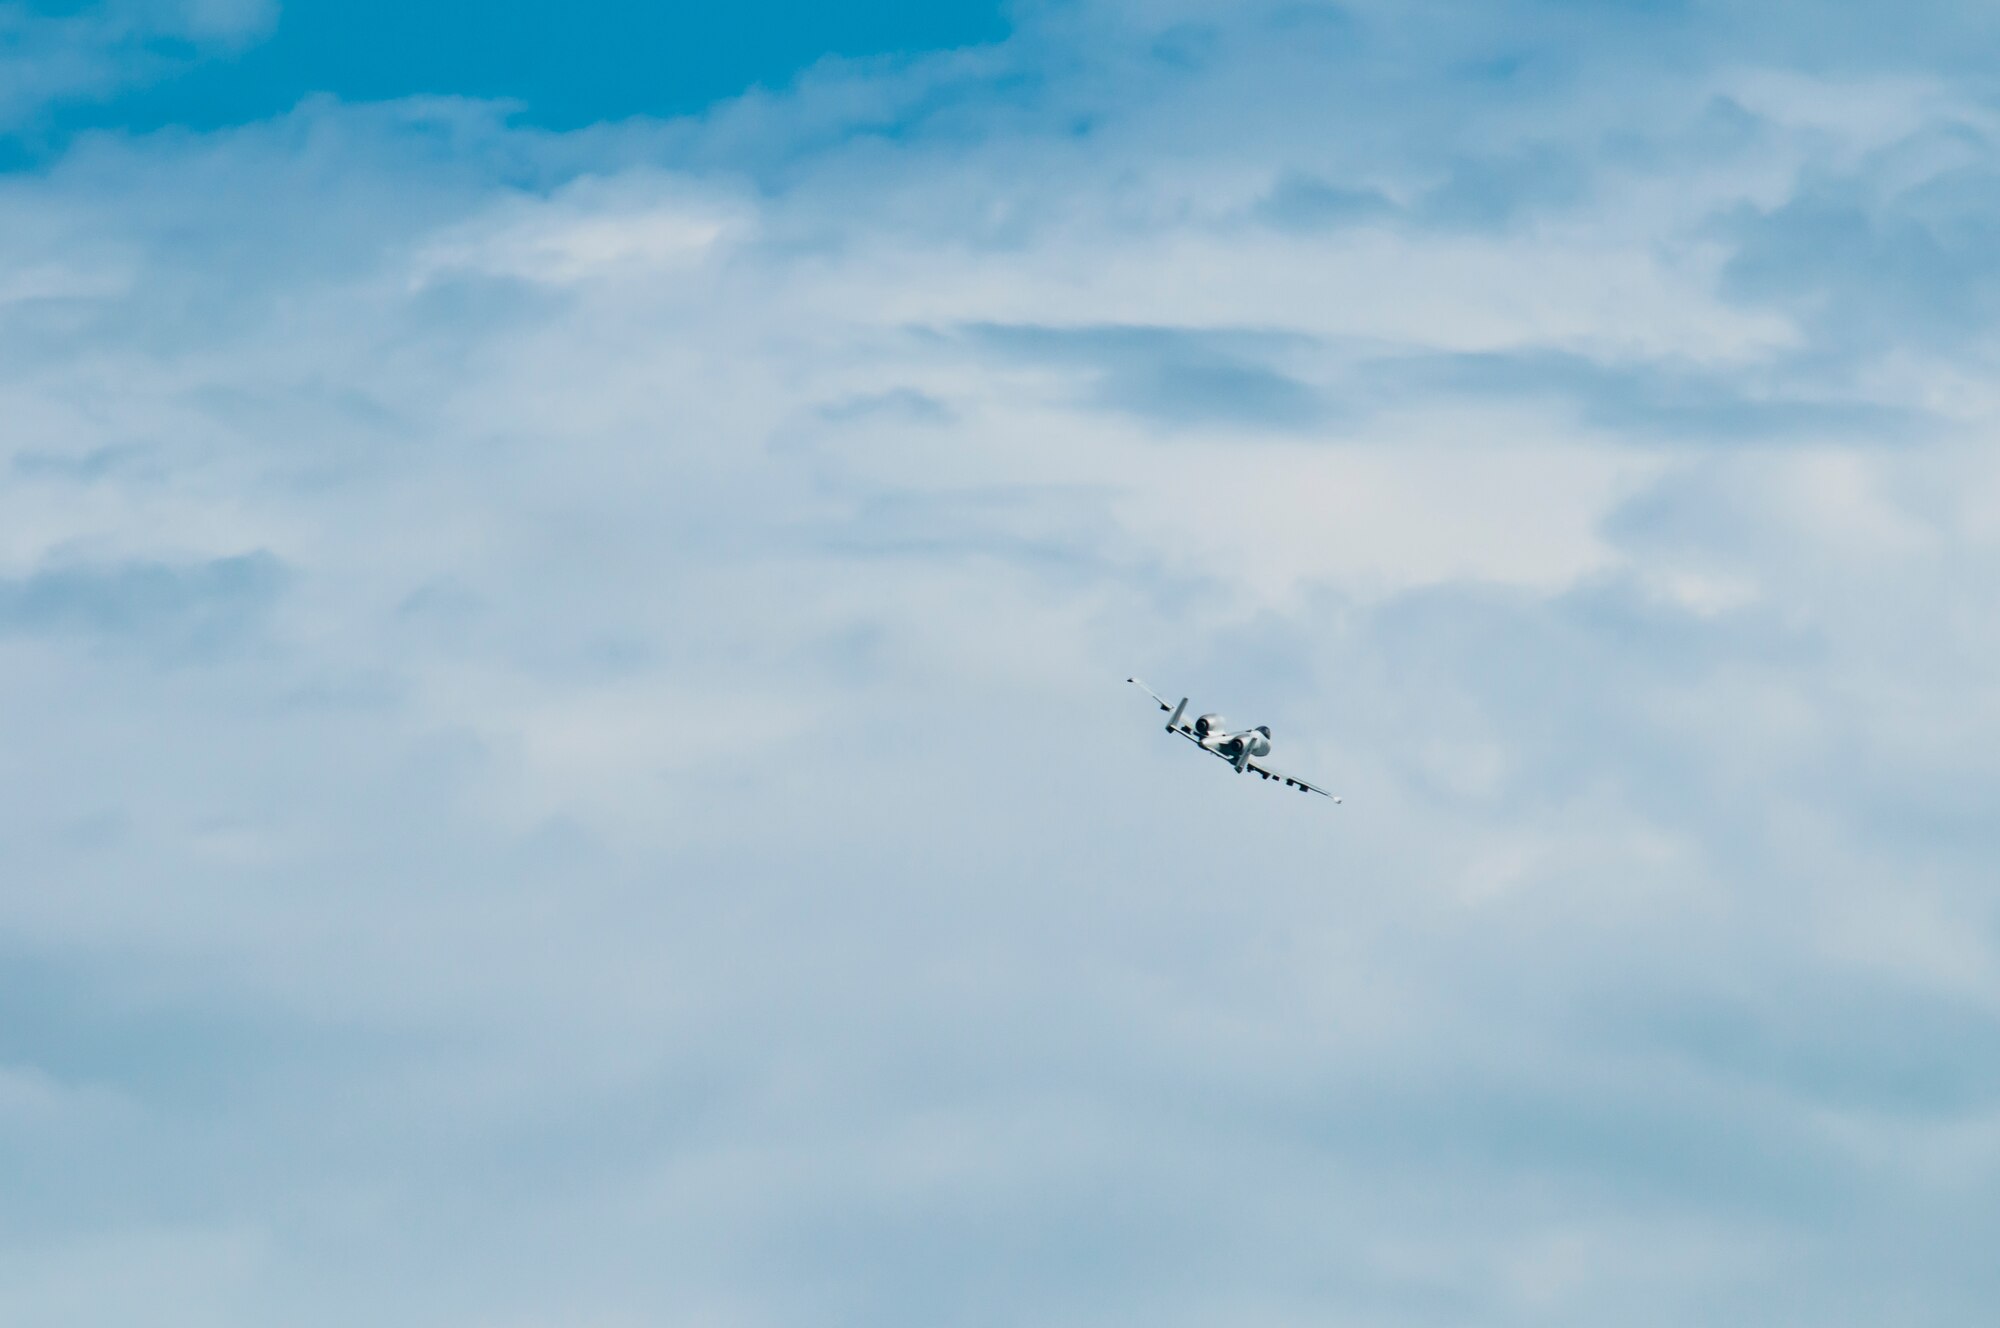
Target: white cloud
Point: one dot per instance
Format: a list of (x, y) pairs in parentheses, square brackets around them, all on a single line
[(665, 819), (595, 230)]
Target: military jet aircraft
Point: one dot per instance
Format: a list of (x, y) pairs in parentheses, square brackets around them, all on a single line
[(1243, 750)]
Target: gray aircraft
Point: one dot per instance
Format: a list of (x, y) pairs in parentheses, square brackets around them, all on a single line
[(1244, 750)]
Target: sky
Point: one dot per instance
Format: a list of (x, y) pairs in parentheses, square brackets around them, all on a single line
[(566, 581)]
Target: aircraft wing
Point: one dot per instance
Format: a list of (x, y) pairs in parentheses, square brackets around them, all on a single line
[(1175, 724), (1291, 781)]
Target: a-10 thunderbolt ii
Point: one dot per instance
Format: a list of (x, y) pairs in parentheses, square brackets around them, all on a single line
[(1244, 750)]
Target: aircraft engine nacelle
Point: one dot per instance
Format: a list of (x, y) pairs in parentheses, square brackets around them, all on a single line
[(1255, 742), (1207, 726)]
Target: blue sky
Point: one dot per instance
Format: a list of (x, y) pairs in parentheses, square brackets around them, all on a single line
[(564, 586), (566, 66)]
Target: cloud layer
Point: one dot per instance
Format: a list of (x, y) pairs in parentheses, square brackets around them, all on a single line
[(566, 761)]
